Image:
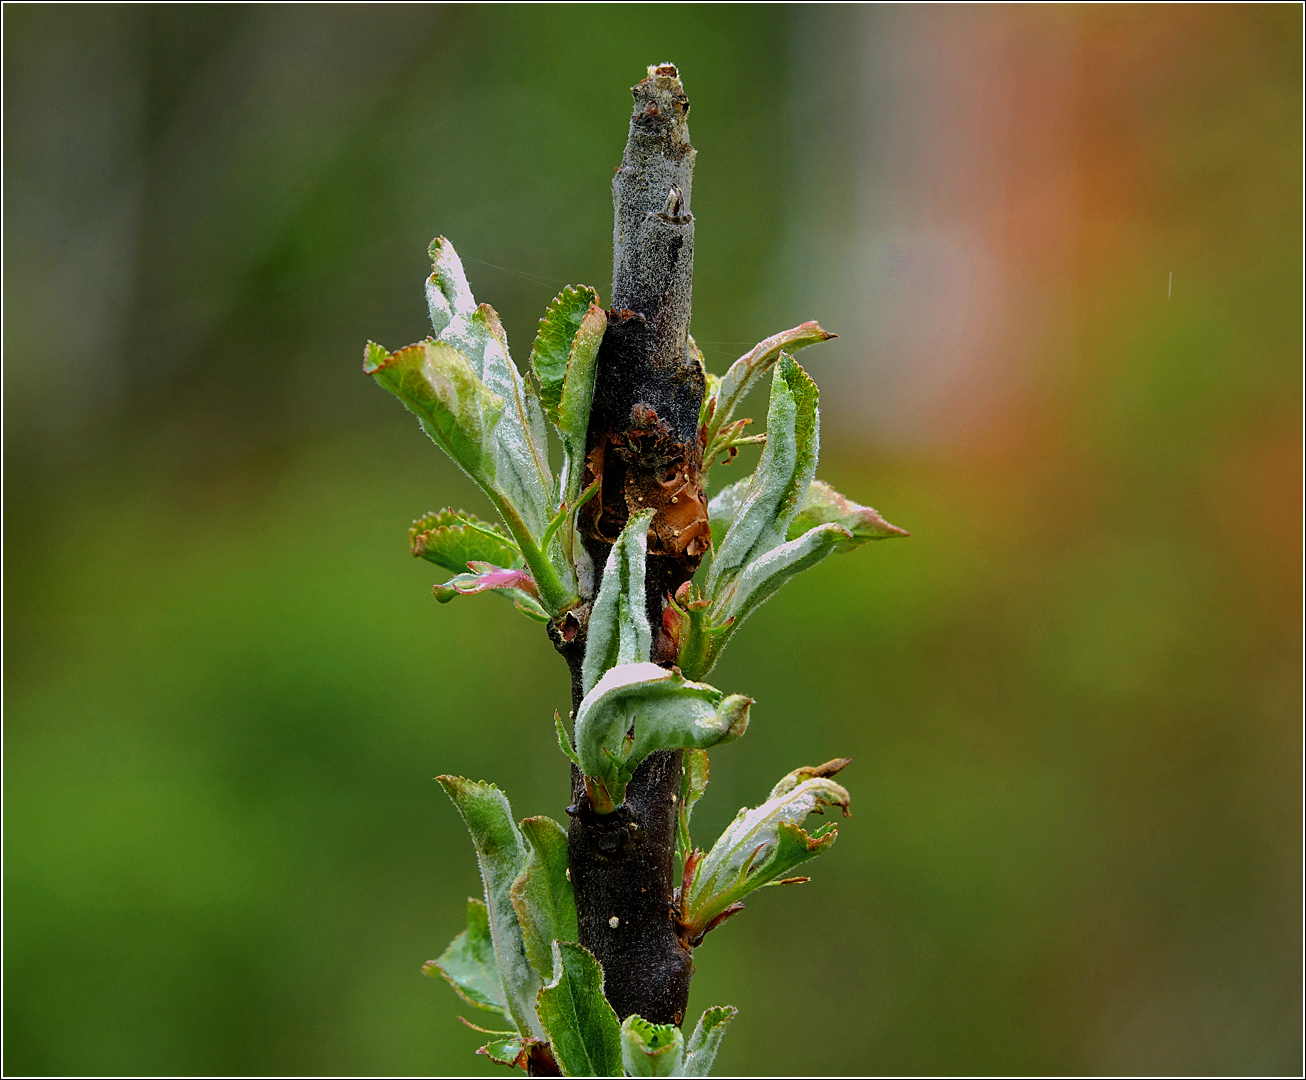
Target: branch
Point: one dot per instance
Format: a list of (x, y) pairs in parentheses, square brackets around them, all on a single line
[(644, 453)]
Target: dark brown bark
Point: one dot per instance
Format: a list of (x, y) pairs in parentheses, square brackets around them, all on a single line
[(644, 447)]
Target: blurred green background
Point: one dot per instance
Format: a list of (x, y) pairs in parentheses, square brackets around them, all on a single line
[(1062, 249)]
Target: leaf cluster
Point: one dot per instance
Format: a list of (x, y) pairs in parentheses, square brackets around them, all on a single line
[(520, 959)]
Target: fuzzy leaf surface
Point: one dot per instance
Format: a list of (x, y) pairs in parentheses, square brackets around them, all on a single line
[(745, 372), (665, 711), (753, 558), (455, 408), (822, 505), (542, 896), (723, 506), (501, 853), (619, 632), (581, 1025), (651, 1049), (468, 964), (701, 1052), (761, 579), (760, 846), (776, 488), (471, 400), (475, 330)]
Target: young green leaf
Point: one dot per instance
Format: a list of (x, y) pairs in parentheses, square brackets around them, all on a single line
[(822, 505), (542, 896), (783, 473), (472, 401), (661, 710), (651, 1049), (564, 740), (723, 506), (573, 419), (719, 407), (706, 1040), (761, 578), (554, 341), (693, 782), (506, 1050), (761, 845), (502, 857), (619, 632), (522, 449), (455, 408), (825, 522), (453, 538), (468, 964), (581, 1025), (753, 559)]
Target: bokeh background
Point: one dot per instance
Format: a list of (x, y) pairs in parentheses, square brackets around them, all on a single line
[(1062, 247)]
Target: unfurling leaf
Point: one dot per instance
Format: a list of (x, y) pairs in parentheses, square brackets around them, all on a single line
[(565, 361), (711, 388), (507, 1050), (706, 1040), (762, 845), (761, 578), (574, 410), (777, 487), (719, 406), (635, 709), (542, 896), (501, 854), (474, 404), (619, 632), (651, 1049), (693, 782), (554, 341), (753, 559), (453, 538), (521, 446), (791, 780), (468, 963), (581, 1025), (822, 505), (517, 585)]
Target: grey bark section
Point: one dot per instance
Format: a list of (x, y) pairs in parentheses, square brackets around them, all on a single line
[(653, 264)]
